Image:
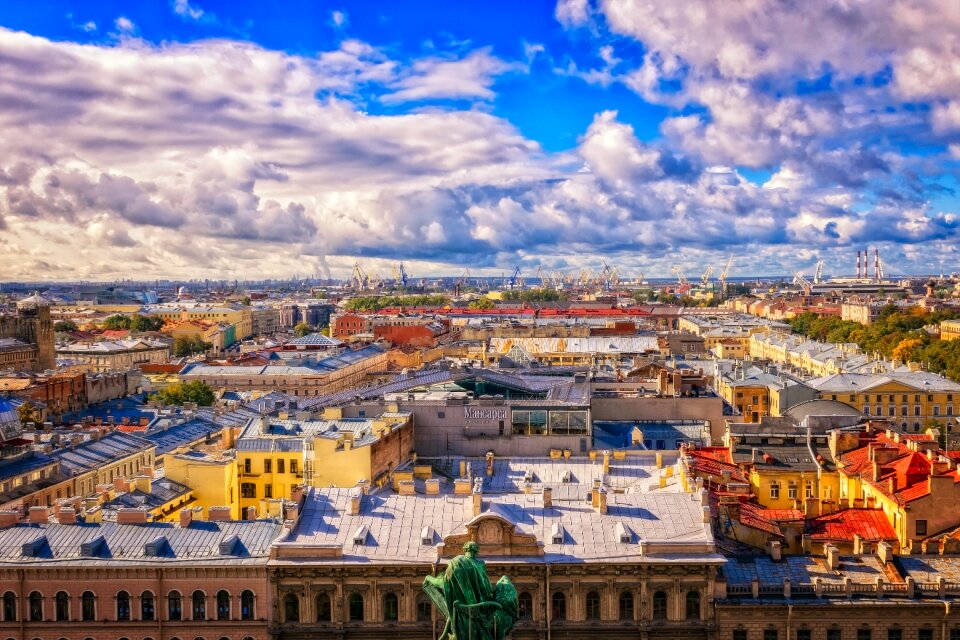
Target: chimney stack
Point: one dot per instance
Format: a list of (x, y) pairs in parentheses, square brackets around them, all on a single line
[(39, 515), (186, 517), (218, 514), (8, 518), (131, 516), (858, 263), (547, 497), (477, 497), (355, 498), (833, 556), (67, 515)]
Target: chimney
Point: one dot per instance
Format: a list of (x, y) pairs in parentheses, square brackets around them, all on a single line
[(489, 461), (120, 485), (547, 497), (8, 518), (833, 556), (461, 486), (251, 513), (884, 552), (186, 517), (39, 515), (355, 500), (606, 461), (143, 483), (291, 511), (477, 497), (218, 514), (407, 488), (600, 499), (131, 516), (433, 486), (858, 264), (67, 515), (775, 550)]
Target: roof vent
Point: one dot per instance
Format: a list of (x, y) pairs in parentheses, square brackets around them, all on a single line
[(528, 475), (622, 533), (567, 476), (91, 548), (557, 533), (156, 547), (229, 544), (426, 536), (32, 549), (360, 536)]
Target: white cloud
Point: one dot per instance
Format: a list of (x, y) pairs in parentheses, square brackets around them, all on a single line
[(89, 26), (467, 78), (339, 18), (184, 9), (124, 24), (572, 13)]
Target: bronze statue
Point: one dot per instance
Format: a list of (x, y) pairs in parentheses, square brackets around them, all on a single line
[(473, 609)]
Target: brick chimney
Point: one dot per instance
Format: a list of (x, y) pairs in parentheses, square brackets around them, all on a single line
[(131, 516), (186, 517), (833, 556), (407, 488), (8, 518), (356, 498), (433, 486), (218, 514), (884, 552), (67, 515), (477, 497), (39, 515), (600, 499), (547, 497)]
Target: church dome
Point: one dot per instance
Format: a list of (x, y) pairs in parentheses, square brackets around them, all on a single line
[(34, 301)]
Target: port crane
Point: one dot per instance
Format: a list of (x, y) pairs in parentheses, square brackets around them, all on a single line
[(360, 278)]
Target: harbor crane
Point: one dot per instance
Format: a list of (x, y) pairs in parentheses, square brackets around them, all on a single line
[(678, 271), (400, 276), (705, 278), (360, 278), (818, 273), (723, 277), (515, 279), (803, 282)]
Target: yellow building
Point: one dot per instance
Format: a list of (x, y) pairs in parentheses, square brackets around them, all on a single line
[(950, 329), (238, 315), (911, 400), (212, 477), (274, 455), (161, 498), (756, 392)]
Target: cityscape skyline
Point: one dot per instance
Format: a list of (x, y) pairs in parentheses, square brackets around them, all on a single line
[(200, 140)]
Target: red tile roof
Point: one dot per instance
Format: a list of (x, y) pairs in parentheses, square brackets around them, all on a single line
[(757, 517), (870, 524)]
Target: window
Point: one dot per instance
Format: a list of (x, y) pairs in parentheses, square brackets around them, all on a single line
[(936, 410), (792, 490), (558, 606), (248, 490), (293, 467), (593, 605), (808, 489), (174, 606), (355, 607), (774, 490), (123, 606), (280, 466), (391, 607), (424, 608), (770, 634), (660, 605), (146, 606), (924, 634), (324, 611), (834, 634), (955, 633), (87, 610), (864, 634), (626, 606), (63, 606), (693, 605), (36, 607), (199, 605), (739, 634), (291, 608), (921, 527), (268, 466), (9, 606), (268, 491), (223, 605), (804, 634), (246, 465), (246, 605), (525, 605), (916, 410)]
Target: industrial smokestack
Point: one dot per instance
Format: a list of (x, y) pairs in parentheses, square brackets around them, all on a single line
[(858, 263), (876, 264), (866, 262)]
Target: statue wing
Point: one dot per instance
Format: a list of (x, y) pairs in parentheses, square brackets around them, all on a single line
[(433, 587)]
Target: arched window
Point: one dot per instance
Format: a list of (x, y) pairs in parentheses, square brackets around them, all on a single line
[(174, 606), (693, 605), (123, 605), (88, 610), (593, 605), (558, 606), (36, 606), (391, 607), (424, 609), (223, 605), (199, 605), (324, 611), (9, 606), (659, 605), (147, 611), (63, 606), (626, 606), (525, 605), (355, 606), (246, 605), (291, 608)]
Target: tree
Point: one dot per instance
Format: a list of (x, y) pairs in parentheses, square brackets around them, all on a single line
[(182, 392), (246, 301), (188, 346), (117, 321), (27, 413), (302, 329), (64, 325), (481, 303), (325, 331), (146, 323)]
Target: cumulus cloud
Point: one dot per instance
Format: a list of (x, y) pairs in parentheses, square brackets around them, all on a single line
[(124, 24), (468, 77), (188, 11)]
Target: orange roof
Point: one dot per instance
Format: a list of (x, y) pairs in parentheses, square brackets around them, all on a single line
[(870, 524), (131, 428), (757, 517)]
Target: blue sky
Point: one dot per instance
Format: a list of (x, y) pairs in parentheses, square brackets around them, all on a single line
[(207, 139)]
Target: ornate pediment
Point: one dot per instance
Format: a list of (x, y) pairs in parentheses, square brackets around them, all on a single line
[(496, 534)]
